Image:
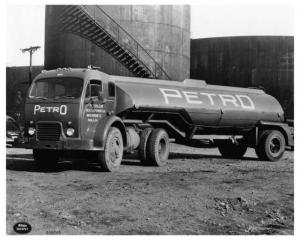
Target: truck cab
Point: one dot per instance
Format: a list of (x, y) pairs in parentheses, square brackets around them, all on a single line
[(63, 110)]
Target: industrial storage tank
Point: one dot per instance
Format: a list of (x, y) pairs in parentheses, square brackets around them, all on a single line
[(248, 61), (163, 31)]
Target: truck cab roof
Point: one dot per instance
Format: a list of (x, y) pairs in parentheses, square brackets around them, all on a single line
[(84, 73)]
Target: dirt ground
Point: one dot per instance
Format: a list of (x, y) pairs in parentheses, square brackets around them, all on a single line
[(198, 192)]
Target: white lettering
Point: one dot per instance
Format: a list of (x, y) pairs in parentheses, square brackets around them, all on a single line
[(174, 93), (209, 95), (228, 98), (239, 101), (249, 103), (192, 95), (63, 110), (36, 108)]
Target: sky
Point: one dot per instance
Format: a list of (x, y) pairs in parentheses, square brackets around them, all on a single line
[(26, 25)]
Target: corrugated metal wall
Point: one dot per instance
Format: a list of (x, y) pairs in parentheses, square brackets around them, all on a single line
[(266, 61)]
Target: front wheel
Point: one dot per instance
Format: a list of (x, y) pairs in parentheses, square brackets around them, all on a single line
[(271, 145), (228, 149), (110, 159), (45, 159)]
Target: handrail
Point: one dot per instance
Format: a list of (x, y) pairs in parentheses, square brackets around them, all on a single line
[(137, 50), (83, 36), (109, 34)]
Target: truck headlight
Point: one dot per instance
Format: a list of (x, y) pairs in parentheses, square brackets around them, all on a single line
[(31, 131), (70, 132)]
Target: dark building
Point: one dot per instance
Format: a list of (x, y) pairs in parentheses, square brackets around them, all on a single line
[(248, 61), (17, 80)]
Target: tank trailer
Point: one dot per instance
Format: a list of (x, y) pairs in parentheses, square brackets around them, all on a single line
[(85, 112)]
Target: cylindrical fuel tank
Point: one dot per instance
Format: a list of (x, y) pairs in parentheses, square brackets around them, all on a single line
[(133, 138), (200, 103), (164, 31)]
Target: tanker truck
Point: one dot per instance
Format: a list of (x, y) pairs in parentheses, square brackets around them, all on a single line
[(85, 112)]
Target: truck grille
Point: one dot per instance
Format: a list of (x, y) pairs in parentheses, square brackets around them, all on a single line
[(48, 131)]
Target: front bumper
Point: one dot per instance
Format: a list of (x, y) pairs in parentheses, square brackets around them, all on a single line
[(66, 144)]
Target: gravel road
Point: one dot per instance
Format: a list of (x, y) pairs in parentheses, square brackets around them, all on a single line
[(198, 192)]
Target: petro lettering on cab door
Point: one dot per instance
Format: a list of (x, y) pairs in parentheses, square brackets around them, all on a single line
[(62, 109)]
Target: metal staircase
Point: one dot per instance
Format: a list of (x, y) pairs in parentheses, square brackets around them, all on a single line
[(92, 23)]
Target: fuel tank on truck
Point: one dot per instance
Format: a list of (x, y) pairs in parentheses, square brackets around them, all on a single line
[(203, 104)]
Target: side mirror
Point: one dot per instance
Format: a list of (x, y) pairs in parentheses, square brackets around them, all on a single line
[(88, 101)]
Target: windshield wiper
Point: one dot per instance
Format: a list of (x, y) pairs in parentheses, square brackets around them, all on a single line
[(43, 98), (59, 97)]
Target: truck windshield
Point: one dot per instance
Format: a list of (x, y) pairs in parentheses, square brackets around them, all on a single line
[(56, 88)]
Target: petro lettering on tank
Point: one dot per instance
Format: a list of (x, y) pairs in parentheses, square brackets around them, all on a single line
[(242, 101)]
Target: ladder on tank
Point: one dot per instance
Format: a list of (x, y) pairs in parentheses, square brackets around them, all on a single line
[(92, 23)]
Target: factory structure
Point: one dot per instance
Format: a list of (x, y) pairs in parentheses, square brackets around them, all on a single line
[(153, 41)]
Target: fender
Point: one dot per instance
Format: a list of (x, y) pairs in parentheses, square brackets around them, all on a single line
[(283, 127), (103, 127)]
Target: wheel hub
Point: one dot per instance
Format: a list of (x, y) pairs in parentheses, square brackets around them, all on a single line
[(275, 145), (161, 148), (115, 150)]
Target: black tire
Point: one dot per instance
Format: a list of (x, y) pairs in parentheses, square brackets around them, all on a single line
[(271, 146), (228, 149), (143, 145), (46, 159), (110, 159), (158, 148)]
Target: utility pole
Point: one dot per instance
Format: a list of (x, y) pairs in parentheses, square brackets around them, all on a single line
[(31, 50)]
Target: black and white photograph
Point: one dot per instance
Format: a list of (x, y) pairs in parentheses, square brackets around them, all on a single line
[(155, 118)]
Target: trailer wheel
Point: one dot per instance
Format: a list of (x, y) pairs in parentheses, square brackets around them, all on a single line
[(228, 149), (158, 148), (46, 159), (271, 145), (143, 145), (110, 159)]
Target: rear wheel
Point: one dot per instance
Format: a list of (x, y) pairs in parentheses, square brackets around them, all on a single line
[(110, 159), (228, 149), (143, 145), (46, 159), (158, 148), (271, 145)]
